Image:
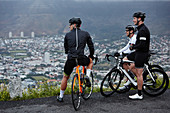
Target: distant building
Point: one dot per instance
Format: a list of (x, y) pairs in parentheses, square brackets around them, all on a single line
[(32, 34), (10, 34), (22, 34), (47, 57)]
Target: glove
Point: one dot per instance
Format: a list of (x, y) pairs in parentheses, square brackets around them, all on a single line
[(131, 47), (91, 56), (117, 54)]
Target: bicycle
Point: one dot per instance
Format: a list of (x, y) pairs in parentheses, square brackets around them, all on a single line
[(152, 79), (79, 87)]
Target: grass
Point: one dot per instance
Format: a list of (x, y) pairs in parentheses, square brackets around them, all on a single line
[(38, 78), (44, 90)]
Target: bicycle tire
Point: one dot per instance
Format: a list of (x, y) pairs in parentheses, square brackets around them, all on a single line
[(115, 79), (75, 92), (159, 86), (87, 91), (123, 81), (156, 67), (107, 87)]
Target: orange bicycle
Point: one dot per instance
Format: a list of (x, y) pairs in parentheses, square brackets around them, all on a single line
[(79, 87)]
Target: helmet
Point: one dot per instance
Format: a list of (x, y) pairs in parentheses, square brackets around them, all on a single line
[(131, 27), (139, 15), (75, 20)]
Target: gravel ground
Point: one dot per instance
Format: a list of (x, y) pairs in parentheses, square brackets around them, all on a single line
[(117, 103)]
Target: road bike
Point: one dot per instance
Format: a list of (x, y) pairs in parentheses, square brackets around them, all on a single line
[(79, 85), (155, 80)]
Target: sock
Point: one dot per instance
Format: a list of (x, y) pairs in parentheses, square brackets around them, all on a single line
[(61, 93), (139, 92), (88, 71)]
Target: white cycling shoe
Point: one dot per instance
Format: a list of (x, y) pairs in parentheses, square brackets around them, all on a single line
[(125, 85), (136, 97)]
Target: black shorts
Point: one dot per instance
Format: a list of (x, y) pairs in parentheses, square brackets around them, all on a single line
[(71, 63), (139, 58)]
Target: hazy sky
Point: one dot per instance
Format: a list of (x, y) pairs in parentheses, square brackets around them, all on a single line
[(94, 0), (121, 0)]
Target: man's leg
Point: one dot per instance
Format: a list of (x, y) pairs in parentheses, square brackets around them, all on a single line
[(89, 67), (63, 85), (68, 68), (88, 72), (125, 65), (139, 80)]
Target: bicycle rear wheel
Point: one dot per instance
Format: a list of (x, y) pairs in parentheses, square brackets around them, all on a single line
[(75, 92), (158, 87), (87, 90), (156, 67)]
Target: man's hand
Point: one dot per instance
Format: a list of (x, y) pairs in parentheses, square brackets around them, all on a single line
[(91, 56), (116, 54), (131, 47)]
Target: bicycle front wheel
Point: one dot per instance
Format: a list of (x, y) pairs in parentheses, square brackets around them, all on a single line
[(87, 90), (110, 83), (115, 79), (159, 86), (75, 92)]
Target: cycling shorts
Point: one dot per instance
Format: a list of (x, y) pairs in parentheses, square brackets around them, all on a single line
[(139, 58), (71, 63)]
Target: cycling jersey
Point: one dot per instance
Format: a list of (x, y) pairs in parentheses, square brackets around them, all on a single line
[(140, 56), (83, 39), (75, 49), (126, 49), (143, 39)]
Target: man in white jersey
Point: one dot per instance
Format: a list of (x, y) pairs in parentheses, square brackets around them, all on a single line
[(130, 32)]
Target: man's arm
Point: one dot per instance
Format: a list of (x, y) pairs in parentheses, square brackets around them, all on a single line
[(143, 41), (66, 45), (91, 46)]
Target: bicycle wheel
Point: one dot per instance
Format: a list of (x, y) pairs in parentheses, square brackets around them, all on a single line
[(126, 89), (110, 83), (158, 87), (156, 67), (75, 93), (115, 80), (87, 91)]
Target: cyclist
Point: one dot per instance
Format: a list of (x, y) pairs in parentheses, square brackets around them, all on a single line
[(130, 32), (74, 44), (141, 51)]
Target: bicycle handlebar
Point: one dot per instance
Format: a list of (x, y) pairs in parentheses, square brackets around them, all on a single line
[(107, 56)]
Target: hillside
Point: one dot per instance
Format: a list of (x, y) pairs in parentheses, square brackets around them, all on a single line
[(104, 19)]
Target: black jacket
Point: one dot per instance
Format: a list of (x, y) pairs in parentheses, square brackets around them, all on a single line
[(83, 39), (142, 39)]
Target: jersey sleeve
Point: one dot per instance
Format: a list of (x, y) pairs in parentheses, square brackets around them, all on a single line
[(66, 44), (142, 41), (90, 44)]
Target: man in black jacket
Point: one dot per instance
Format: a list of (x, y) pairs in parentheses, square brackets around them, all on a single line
[(74, 43), (140, 56)]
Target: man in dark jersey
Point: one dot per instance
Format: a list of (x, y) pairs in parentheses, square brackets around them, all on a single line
[(74, 43), (141, 54)]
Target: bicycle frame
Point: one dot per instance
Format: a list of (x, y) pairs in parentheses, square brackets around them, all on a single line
[(78, 73), (119, 66)]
